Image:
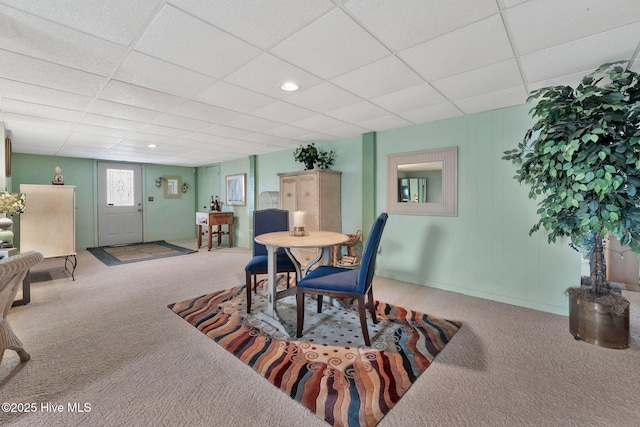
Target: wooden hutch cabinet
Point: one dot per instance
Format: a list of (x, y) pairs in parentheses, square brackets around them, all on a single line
[(316, 192)]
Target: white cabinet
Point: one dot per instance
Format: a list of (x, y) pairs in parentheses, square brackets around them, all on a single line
[(316, 192), (48, 224)]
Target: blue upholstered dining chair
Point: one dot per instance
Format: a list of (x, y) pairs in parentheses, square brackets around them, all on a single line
[(267, 221), (345, 283)]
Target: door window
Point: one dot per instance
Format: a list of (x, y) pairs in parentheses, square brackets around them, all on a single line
[(120, 187)]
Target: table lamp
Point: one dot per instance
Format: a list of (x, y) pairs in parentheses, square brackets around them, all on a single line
[(10, 203)]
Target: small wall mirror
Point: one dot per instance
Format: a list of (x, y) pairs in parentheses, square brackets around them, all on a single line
[(423, 182), (172, 187)]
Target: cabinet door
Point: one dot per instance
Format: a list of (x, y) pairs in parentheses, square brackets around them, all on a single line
[(48, 224), (308, 200), (288, 187)]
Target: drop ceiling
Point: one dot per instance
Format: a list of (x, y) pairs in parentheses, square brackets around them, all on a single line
[(104, 79)]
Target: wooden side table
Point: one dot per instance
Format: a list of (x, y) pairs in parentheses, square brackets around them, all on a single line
[(217, 219)]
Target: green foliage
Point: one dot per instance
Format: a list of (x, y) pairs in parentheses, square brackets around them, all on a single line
[(311, 156), (582, 157)]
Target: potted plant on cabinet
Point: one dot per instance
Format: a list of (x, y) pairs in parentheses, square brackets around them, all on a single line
[(311, 156), (582, 158)]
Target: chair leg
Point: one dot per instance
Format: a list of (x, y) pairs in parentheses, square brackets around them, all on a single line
[(363, 320), (255, 284), (248, 286), (372, 306), (319, 303), (300, 312), (10, 341), (24, 356)]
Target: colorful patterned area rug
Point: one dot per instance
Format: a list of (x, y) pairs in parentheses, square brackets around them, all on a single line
[(328, 370), (125, 254)]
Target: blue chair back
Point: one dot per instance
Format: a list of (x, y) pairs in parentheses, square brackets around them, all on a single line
[(368, 264), (268, 221)]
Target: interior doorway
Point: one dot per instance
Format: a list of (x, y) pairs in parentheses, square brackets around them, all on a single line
[(119, 203)]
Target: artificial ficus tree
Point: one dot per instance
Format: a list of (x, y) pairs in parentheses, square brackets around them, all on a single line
[(582, 161)]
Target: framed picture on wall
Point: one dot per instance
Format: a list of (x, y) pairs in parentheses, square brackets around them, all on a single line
[(236, 187)]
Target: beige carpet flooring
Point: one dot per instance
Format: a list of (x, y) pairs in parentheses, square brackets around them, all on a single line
[(108, 339)]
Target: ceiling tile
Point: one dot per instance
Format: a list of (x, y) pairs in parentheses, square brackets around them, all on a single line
[(255, 124), (495, 77), (28, 70), (226, 131), (112, 122), (56, 43), (493, 100), (286, 131), (385, 123), (20, 120), (101, 130), (187, 41), (266, 74), (379, 78), (122, 111), (125, 93), (347, 131), (180, 122), (261, 23), (30, 109), (282, 112), (558, 22), (152, 73), (80, 139), (334, 44), (163, 131), (147, 138), (204, 137), (261, 138), (404, 24), (25, 134), (223, 94), (116, 20), (358, 112), (205, 112), (312, 138), (569, 80), (576, 56), (474, 46), (318, 123), (432, 113), (410, 98), (41, 150), (78, 151), (10, 89), (323, 97)]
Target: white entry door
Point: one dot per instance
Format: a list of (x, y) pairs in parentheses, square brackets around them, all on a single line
[(119, 204)]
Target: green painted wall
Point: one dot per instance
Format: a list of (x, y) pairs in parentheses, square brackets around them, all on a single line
[(168, 219), (164, 219), (486, 250)]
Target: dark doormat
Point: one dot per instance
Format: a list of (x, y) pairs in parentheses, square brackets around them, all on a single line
[(125, 254)]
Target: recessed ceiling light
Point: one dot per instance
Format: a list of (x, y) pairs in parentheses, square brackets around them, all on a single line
[(152, 146), (289, 86)]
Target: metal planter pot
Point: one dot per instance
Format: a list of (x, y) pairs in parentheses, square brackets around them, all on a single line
[(595, 323)]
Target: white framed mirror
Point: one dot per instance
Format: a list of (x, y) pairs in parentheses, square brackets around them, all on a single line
[(423, 182)]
